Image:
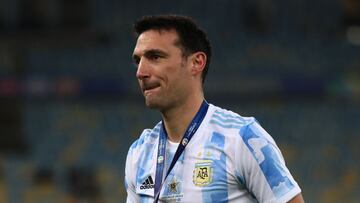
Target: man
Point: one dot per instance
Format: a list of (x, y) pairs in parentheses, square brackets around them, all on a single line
[(198, 152)]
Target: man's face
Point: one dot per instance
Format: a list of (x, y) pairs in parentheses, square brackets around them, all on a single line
[(162, 71)]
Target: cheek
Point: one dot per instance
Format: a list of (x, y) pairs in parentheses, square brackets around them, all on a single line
[(175, 75), (179, 82)]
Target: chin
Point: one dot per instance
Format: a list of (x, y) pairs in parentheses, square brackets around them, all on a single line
[(155, 105), (152, 104)]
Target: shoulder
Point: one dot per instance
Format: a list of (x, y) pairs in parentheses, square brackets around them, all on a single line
[(224, 120), (141, 153), (148, 136), (238, 128)]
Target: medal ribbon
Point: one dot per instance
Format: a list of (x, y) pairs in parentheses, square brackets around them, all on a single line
[(194, 125)]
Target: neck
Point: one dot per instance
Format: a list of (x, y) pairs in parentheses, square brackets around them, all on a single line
[(177, 119)]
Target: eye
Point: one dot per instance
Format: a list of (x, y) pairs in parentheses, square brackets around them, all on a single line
[(136, 60), (154, 57)]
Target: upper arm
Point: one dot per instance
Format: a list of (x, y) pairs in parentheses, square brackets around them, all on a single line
[(129, 180), (263, 167), (297, 199)]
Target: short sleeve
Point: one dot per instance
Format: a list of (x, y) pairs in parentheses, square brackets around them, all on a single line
[(261, 166)]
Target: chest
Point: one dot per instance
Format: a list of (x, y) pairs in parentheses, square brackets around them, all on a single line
[(204, 168)]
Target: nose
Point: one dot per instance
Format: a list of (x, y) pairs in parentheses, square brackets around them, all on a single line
[(142, 70)]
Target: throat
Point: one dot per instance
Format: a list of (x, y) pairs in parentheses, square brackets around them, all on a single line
[(177, 121), (176, 126), (175, 135)]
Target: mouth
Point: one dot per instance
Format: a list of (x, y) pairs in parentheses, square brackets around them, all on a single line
[(149, 88)]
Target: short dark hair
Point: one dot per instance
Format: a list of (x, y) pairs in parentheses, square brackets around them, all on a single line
[(191, 37)]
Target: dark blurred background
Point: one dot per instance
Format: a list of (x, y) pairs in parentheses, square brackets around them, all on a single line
[(70, 106)]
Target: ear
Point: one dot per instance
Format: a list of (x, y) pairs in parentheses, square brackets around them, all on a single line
[(198, 62)]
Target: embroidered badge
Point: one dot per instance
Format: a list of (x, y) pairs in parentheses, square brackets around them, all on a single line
[(173, 191), (202, 175)]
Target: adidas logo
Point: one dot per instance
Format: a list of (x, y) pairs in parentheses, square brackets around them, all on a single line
[(147, 184)]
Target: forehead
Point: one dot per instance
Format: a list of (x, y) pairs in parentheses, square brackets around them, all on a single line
[(156, 39)]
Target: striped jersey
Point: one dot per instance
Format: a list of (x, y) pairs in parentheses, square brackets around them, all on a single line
[(229, 159)]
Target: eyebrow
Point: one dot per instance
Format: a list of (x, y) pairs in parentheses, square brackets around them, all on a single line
[(151, 52)]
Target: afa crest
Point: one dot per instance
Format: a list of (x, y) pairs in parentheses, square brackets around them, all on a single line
[(203, 173)]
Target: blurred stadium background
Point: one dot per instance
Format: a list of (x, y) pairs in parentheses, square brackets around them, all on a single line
[(70, 105)]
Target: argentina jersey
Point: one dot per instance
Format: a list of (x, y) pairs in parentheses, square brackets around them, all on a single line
[(229, 159)]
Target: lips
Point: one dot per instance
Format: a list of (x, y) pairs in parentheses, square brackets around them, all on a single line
[(148, 87)]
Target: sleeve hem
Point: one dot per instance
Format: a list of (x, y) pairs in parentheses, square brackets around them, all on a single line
[(288, 196)]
